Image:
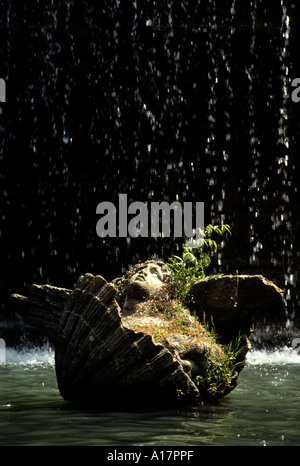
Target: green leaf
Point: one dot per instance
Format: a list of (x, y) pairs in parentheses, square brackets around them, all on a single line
[(193, 261)]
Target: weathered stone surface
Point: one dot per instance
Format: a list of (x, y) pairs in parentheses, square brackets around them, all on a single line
[(42, 308), (101, 361), (103, 356), (233, 301), (146, 280), (191, 352)]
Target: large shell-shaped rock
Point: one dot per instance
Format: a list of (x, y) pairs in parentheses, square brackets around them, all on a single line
[(235, 301), (42, 308), (99, 360)]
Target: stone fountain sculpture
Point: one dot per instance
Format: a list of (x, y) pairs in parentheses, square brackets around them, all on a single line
[(106, 352)]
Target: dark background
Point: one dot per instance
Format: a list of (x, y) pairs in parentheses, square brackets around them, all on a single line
[(155, 99)]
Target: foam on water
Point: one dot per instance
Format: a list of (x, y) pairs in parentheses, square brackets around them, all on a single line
[(30, 356), (280, 356), (45, 355)]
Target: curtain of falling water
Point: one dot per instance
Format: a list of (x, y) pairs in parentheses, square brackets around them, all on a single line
[(160, 100)]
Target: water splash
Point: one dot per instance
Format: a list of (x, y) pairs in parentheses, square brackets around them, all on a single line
[(44, 357), (281, 356), (38, 356)]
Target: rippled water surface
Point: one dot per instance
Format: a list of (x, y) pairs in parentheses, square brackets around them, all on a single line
[(263, 410)]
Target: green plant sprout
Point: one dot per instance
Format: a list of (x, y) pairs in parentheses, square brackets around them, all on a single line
[(191, 266), (217, 373)]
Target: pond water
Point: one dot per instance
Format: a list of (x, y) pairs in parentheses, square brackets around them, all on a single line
[(264, 410)]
